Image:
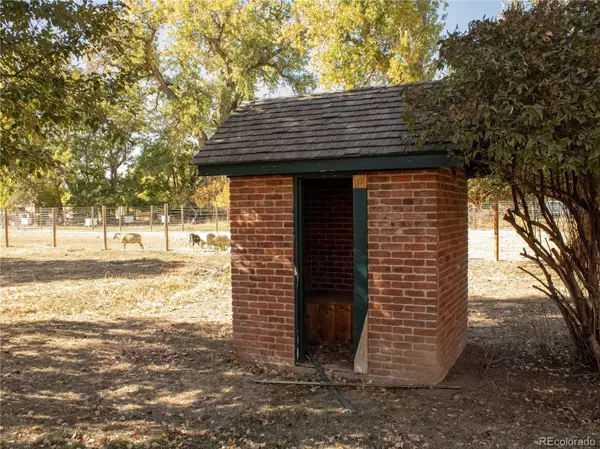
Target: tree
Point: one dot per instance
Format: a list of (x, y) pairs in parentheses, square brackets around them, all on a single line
[(42, 189), (522, 95), (487, 189), (215, 193), (219, 53), (370, 42), (163, 175), (99, 159), (46, 83)]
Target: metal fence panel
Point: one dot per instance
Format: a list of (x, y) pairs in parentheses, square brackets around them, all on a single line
[(82, 227)]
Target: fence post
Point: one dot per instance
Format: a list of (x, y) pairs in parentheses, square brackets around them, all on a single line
[(104, 227), (120, 212), (54, 215), (93, 218), (151, 216), (166, 227), (217, 218), (182, 218), (41, 218), (6, 227), (496, 232)]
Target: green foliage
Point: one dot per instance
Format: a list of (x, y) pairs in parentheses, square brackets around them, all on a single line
[(162, 175), (239, 45), (42, 189), (522, 95), (213, 192), (365, 42), (218, 54), (111, 99), (523, 91), (98, 159), (488, 189), (47, 84)]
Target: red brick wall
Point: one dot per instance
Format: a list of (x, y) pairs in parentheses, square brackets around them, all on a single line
[(262, 268), (452, 269), (328, 237), (416, 217), (417, 241)]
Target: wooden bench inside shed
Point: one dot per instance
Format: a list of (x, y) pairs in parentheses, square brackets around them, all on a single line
[(329, 317)]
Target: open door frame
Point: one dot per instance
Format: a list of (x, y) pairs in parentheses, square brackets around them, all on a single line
[(300, 341), (361, 271), (359, 223)]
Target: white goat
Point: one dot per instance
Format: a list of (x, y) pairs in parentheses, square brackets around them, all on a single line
[(128, 238)]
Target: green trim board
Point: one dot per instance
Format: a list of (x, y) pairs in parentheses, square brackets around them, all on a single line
[(361, 267), (299, 309), (400, 162)]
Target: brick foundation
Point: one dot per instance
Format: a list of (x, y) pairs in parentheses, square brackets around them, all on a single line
[(417, 255)]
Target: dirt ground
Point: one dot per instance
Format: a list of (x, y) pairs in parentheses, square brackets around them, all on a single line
[(83, 240), (132, 350), (481, 241)]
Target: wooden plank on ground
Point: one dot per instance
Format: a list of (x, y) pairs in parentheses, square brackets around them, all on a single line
[(357, 385), (361, 358)]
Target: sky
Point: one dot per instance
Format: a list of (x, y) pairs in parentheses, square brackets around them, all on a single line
[(459, 14)]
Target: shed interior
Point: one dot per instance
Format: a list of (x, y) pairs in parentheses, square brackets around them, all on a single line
[(328, 268)]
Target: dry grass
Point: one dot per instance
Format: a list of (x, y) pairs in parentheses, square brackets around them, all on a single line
[(85, 240), (132, 350), (114, 284)]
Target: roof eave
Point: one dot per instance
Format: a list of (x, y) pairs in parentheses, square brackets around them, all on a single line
[(355, 164)]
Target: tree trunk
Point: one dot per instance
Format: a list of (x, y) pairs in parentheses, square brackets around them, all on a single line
[(559, 219)]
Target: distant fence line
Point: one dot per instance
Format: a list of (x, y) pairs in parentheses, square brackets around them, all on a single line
[(184, 217), (482, 216), (157, 223), (115, 219)]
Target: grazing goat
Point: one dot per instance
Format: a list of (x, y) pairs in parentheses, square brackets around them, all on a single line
[(222, 242), (196, 240), (128, 239), (210, 240)]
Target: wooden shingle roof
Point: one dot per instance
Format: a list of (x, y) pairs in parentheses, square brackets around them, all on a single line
[(367, 122)]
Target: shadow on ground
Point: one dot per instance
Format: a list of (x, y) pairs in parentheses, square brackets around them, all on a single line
[(117, 382), (20, 271), (526, 329), (59, 374)]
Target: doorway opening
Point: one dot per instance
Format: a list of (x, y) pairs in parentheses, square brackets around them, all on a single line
[(327, 281)]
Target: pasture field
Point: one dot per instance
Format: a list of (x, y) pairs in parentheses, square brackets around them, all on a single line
[(84, 240), (132, 350), (481, 241)]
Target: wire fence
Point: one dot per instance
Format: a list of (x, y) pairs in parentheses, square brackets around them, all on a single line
[(161, 227), (167, 227), (481, 216)]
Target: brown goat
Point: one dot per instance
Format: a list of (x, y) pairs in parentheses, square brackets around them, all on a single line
[(210, 240), (128, 239), (222, 242)]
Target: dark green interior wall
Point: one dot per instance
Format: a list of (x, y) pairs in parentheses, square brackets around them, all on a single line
[(361, 264)]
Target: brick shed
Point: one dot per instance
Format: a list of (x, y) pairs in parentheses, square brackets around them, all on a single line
[(348, 240)]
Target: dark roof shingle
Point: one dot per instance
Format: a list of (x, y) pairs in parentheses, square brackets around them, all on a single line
[(355, 123)]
